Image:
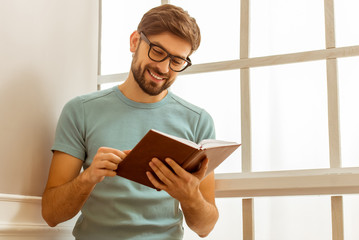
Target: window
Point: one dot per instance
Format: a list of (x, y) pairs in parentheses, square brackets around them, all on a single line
[(348, 74), (119, 20), (301, 66)]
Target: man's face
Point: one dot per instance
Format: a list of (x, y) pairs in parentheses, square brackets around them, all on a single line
[(155, 77)]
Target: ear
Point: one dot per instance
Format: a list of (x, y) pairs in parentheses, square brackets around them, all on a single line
[(134, 41)]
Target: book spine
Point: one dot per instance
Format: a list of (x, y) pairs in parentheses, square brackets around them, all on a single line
[(193, 163)]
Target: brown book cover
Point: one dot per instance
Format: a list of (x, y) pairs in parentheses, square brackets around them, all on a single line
[(186, 153)]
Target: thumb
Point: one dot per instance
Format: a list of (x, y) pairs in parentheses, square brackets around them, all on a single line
[(127, 151), (203, 169)]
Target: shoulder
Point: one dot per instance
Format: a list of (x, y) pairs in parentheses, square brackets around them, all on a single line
[(98, 95), (186, 105), (204, 124), (190, 107), (79, 101)]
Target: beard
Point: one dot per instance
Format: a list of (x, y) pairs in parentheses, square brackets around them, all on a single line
[(150, 87)]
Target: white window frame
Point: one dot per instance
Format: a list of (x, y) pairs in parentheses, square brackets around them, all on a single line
[(247, 184)]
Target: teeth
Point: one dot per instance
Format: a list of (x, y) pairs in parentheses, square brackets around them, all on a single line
[(155, 76)]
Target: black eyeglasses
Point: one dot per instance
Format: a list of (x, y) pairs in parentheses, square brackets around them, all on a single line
[(158, 54)]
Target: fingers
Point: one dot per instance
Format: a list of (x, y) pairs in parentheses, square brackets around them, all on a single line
[(109, 158), (113, 151), (108, 164), (153, 180), (176, 168), (178, 183), (127, 152), (111, 154), (162, 171), (105, 163), (183, 173)]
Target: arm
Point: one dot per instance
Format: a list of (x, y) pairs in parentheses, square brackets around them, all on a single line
[(200, 212), (67, 189), (195, 196)]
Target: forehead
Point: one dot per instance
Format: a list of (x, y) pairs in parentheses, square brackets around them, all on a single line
[(171, 43)]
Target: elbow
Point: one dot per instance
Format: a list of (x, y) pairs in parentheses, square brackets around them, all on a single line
[(209, 230), (51, 224), (203, 235), (47, 218), (49, 221), (46, 214)]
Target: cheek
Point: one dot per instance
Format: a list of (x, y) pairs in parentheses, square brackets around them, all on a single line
[(138, 61)]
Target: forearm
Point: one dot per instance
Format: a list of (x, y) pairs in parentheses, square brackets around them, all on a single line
[(63, 202), (200, 215)]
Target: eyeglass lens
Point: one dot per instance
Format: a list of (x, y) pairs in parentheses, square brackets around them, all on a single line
[(158, 54)]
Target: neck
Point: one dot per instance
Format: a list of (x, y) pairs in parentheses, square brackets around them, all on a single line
[(133, 92)]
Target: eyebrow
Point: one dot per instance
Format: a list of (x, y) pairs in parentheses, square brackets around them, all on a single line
[(160, 45)]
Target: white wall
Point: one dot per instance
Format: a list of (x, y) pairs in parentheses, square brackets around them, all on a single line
[(48, 55)]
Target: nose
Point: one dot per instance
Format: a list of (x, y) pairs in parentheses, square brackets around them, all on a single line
[(164, 66)]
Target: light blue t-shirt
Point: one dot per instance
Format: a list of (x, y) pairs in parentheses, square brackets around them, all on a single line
[(119, 208)]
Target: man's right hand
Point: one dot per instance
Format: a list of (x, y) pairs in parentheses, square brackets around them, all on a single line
[(104, 164)]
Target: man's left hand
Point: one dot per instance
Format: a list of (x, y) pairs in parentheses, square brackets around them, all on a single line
[(178, 183)]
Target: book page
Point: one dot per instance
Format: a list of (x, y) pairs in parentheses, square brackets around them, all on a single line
[(183, 140), (209, 143)]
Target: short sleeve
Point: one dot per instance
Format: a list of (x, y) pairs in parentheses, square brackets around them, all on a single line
[(205, 127), (70, 130)]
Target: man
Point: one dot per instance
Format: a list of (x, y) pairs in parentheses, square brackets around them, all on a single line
[(95, 130)]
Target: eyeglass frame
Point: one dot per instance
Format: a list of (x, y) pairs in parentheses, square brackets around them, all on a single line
[(188, 60)]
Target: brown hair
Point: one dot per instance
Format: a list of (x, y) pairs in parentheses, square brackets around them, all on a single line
[(173, 19)]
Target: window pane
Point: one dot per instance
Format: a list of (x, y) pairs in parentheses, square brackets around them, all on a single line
[(348, 75), (219, 24), (346, 19), (294, 218), (289, 117), (282, 26), (218, 93), (351, 216), (229, 225), (119, 20)]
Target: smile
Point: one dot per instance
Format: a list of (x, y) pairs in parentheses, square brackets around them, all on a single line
[(155, 76)]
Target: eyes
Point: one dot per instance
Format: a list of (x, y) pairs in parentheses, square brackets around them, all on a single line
[(158, 54)]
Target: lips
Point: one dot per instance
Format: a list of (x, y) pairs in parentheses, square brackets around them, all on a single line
[(155, 76)]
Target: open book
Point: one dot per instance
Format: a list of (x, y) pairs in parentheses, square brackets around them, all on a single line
[(186, 153)]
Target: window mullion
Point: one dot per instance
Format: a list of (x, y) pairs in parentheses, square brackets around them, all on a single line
[(332, 81)]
